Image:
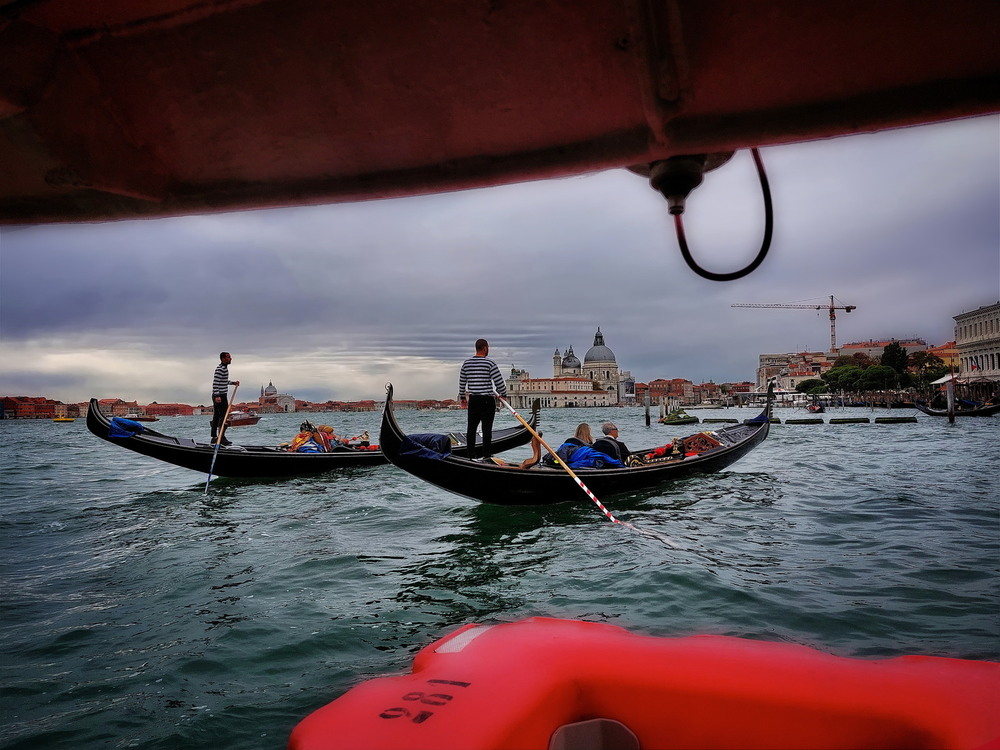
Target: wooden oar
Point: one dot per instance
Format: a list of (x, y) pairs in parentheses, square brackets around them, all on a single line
[(218, 438), (645, 532), (562, 463)]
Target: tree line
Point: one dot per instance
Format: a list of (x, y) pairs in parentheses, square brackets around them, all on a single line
[(894, 370)]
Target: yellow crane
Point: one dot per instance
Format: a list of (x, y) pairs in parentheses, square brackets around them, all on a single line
[(831, 307)]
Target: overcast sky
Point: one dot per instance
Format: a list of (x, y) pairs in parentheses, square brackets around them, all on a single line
[(331, 302)]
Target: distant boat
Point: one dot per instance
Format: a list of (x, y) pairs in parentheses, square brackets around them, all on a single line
[(816, 408), (63, 419), (242, 418), (983, 410), (142, 418), (268, 460), (678, 416)]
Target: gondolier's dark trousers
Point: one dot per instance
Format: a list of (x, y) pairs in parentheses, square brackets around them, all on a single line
[(482, 410), (218, 412)]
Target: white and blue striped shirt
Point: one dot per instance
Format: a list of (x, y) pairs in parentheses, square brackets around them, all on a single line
[(479, 376), (220, 383)]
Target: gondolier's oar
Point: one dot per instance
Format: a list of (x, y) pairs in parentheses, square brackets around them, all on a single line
[(577, 479), (569, 471), (218, 438)]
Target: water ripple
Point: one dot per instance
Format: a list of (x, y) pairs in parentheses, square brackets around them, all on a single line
[(140, 613)]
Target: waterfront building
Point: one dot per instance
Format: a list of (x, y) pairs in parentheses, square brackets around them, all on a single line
[(947, 353), (365, 405), (116, 407), (708, 393), (600, 365), (678, 392), (555, 392), (737, 389), (169, 410), (596, 381), (788, 370), (272, 402), (874, 349), (28, 407), (672, 392), (977, 339)]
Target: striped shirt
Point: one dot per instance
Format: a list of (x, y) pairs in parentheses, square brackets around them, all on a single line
[(479, 376), (220, 383)]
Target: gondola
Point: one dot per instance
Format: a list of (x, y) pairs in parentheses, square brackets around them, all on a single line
[(987, 410), (266, 460), (543, 485)]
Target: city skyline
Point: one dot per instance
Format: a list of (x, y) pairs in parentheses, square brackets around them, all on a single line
[(244, 399), (247, 394)]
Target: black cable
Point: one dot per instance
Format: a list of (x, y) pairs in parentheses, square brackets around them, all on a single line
[(765, 245)]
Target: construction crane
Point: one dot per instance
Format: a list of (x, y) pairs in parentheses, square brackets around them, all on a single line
[(831, 307)]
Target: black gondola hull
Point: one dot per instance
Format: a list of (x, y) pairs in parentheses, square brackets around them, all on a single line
[(250, 461), (982, 411), (509, 485)]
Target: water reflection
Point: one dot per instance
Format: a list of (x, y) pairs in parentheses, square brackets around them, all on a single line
[(307, 483), (492, 559), (467, 576)]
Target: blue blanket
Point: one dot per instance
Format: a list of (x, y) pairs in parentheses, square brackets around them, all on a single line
[(124, 428), (585, 457), (426, 445)]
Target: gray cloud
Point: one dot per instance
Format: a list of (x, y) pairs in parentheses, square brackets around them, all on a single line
[(330, 301)]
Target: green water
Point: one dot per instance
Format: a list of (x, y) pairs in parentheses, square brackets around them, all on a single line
[(137, 612)]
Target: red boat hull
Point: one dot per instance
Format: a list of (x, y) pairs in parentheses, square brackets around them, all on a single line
[(242, 422)]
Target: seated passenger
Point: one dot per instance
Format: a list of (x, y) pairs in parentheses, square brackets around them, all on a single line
[(313, 439), (577, 453), (610, 444), (582, 437)]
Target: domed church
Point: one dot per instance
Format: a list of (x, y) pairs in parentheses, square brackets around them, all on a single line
[(599, 364), (596, 381), (271, 401), (567, 366)]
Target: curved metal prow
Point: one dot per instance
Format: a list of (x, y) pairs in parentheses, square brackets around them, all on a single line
[(765, 416)]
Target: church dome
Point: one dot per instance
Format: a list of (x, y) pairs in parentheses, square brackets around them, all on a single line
[(270, 390), (599, 352), (570, 360)]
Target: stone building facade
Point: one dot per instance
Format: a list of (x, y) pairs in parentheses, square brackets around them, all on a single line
[(788, 370), (596, 381), (272, 402), (874, 349), (977, 339)]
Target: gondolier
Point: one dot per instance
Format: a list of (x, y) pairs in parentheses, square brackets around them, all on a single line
[(220, 394), (479, 380)]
